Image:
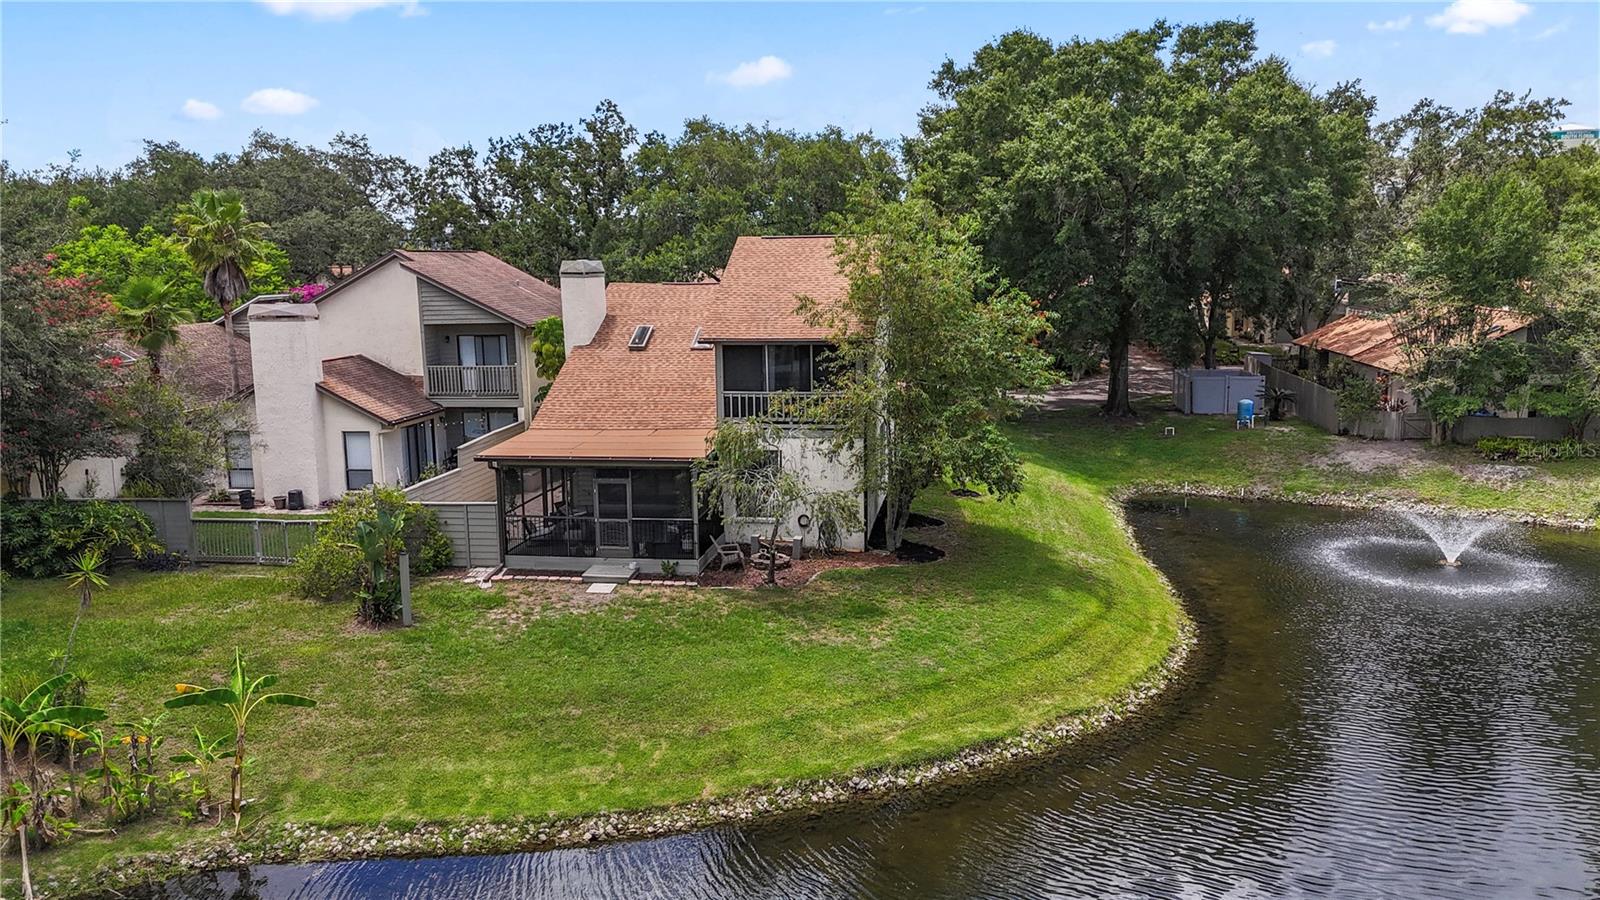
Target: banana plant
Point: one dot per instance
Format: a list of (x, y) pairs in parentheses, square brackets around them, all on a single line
[(240, 698), (380, 540), (206, 754), (37, 715), (85, 574)]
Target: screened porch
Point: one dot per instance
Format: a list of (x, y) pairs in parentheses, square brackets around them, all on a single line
[(555, 516)]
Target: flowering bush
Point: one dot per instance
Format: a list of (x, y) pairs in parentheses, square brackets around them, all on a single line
[(306, 293)]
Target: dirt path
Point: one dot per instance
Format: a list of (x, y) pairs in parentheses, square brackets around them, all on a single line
[(1148, 376)]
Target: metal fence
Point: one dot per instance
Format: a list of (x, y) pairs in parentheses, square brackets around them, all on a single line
[(273, 542)]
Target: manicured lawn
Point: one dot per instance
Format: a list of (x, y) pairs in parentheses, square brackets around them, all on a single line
[(509, 702)]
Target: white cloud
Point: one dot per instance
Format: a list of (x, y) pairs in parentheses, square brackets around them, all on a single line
[(1400, 24), (756, 73), (1478, 16), (1322, 49), (337, 10), (278, 102), (1553, 30), (200, 110)]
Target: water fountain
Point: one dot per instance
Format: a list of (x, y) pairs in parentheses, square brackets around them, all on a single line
[(1436, 555), (1453, 537)]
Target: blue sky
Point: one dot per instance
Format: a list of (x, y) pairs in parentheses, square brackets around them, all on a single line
[(418, 76)]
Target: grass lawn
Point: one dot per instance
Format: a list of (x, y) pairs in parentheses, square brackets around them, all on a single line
[(508, 702), (257, 513)]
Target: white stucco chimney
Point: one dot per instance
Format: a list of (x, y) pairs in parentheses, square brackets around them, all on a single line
[(286, 364), (583, 300)]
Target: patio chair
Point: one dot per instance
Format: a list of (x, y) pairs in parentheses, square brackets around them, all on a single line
[(729, 553)]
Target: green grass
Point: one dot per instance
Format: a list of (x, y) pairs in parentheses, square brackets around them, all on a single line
[(485, 709), (257, 513)]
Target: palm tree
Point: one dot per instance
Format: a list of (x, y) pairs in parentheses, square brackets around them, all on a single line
[(150, 316), (84, 574), (240, 697), (216, 232)]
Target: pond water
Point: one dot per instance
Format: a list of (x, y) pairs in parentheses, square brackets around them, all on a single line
[(1365, 722)]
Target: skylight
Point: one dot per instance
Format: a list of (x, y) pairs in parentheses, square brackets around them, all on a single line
[(641, 336)]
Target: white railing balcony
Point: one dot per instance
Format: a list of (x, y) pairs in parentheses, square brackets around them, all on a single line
[(471, 381), (787, 407)]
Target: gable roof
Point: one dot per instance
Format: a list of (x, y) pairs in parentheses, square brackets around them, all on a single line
[(376, 389), (610, 402), (763, 283), (1373, 341), (480, 278), (486, 280), (199, 362)]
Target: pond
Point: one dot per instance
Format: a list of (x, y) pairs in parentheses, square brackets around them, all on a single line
[(1364, 722)]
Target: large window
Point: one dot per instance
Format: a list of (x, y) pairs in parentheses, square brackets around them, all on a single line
[(241, 470), (357, 459), (482, 349), (421, 449), (581, 511)]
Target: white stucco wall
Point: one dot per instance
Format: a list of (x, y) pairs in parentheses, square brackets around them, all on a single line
[(337, 418), (286, 355), (377, 316), (807, 455)]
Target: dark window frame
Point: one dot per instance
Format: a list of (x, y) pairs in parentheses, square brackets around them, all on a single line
[(349, 473)]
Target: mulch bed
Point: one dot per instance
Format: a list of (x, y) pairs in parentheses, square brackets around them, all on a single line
[(798, 572)]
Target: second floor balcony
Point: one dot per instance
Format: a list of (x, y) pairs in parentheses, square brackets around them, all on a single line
[(785, 407), (472, 381)]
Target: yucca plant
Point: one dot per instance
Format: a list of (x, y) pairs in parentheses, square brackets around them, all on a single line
[(85, 574), (240, 698)]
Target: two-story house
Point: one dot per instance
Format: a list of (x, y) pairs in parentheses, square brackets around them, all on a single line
[(604, 472), (382, 377)]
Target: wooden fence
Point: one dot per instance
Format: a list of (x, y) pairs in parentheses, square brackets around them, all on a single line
[(473, 529)]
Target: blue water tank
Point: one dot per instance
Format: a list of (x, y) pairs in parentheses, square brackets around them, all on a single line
[(1247, 410)]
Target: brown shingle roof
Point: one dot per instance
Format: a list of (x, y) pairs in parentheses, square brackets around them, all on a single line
[(199, 362), (764, 281), (376, 389), (1372, 341), (608, 393), (611, 444), (488, 281)]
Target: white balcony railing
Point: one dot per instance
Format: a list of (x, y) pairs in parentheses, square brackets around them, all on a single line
[(472, 381), (792, 407)]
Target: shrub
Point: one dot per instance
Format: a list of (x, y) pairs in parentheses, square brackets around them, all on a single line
[(1528, 450), (37, 539), (331, 569)]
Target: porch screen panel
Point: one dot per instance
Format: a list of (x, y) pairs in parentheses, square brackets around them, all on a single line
[(791, 367), (744, 368), (662, 494)]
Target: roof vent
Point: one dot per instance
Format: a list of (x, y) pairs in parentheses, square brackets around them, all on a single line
[(641, 336), (696, 343)]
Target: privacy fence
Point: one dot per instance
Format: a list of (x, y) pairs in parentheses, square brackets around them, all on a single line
[(473, 529), (1320, 406)]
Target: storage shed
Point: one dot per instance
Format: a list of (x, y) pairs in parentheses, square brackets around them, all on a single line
[(1207, 392)]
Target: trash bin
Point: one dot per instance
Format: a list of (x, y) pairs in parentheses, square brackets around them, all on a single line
[(297, 500), (247, 499)]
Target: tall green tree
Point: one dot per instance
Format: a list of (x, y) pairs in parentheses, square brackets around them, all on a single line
[(221, 240), (149, 312), (928, 350), (56, 376)]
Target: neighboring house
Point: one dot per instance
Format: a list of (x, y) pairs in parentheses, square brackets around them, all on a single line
[(1371, 346), (379, 379), (605, 469), (384, 376), (197, 362)]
